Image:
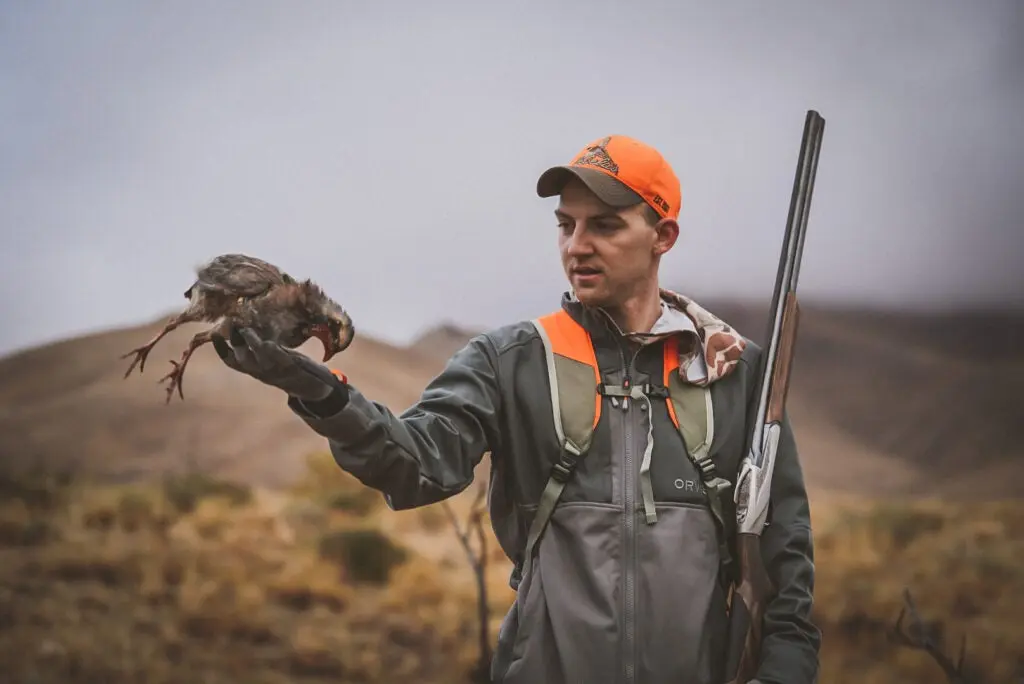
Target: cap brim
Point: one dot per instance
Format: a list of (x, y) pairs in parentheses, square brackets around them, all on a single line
[(612, 192)]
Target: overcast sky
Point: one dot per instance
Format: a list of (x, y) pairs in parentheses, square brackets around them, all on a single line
[(391, 151)]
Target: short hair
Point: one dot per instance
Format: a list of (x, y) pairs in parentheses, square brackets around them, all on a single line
[(650, 215)]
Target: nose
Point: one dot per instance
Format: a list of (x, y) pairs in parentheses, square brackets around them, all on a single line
[(577, 243)]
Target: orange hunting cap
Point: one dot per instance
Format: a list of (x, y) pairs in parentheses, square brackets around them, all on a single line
[(621, 171)]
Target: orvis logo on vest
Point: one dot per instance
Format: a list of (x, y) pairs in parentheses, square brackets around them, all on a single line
[(688, 485)]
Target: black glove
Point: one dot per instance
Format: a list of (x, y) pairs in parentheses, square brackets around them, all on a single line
[(270, 363)]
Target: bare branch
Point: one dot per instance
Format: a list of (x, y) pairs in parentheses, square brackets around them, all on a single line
[(478, 561), (462, 534), (453, 520), (478, 500), (918, 637)]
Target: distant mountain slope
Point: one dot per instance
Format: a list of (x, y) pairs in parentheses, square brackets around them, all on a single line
[(892, 395), (441, 341), (944, 392), (883, 403), (66, 404)]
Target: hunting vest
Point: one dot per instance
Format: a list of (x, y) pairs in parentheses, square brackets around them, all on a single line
[(576, 398)]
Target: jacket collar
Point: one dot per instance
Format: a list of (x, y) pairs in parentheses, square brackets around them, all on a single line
[(709, 348)]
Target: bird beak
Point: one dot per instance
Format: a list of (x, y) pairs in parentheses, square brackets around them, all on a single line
[(324, 335)]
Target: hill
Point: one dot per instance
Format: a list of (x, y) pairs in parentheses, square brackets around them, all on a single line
[(884, 402), (67, 405), (443, 340), (938, 393), (890, 402)]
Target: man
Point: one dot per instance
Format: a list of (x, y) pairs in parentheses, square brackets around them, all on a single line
[(625, 584)]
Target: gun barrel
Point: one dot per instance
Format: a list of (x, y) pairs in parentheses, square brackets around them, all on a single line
[(788, 270), (812, 171)]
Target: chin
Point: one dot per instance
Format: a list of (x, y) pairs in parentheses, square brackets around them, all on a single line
[(592, 298)]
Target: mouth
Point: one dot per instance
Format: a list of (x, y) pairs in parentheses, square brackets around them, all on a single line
[(585, 272)]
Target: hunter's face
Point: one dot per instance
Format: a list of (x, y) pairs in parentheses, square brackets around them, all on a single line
[(608, 254)]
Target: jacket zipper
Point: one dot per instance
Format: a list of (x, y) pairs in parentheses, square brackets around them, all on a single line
[(629, 517), (629, 504)]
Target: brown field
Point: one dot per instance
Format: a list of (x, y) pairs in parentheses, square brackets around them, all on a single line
[(200, 542)]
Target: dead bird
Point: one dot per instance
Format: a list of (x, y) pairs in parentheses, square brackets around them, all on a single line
[(243, 291)]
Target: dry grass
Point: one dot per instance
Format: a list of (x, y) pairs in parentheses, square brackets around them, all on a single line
[(199, 580), (143, 583), (961, 561)]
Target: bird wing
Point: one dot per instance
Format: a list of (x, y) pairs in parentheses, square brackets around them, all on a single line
[(240, 275)]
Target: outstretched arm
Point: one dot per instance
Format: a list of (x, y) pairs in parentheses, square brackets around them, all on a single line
[(427, 453)]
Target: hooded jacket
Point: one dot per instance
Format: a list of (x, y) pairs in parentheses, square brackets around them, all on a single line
[(608, 597)]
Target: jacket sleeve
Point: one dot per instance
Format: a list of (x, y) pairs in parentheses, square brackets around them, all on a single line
[(790, 641), (427, 453)]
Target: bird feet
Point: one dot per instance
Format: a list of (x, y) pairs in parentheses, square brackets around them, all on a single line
[(174, 379), (140, 354)]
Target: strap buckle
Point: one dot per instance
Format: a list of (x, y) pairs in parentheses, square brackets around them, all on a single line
[(562, 469), (626, 390), (606, 390), (656, 391), (718, 485)]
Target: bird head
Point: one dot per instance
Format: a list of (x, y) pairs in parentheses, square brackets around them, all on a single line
[(328, 322)]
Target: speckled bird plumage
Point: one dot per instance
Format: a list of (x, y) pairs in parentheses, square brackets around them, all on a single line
[(244, 291)]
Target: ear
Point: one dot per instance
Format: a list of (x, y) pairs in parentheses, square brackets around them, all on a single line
[(667, 231)]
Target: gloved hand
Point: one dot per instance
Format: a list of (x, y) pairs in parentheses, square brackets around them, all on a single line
[(270, 363)]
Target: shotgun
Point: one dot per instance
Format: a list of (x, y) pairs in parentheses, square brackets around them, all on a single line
[(753, 587)]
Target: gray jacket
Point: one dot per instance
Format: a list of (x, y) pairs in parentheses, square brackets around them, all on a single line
[(609, 598)]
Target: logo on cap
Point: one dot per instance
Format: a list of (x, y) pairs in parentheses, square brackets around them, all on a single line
[(597, 155)]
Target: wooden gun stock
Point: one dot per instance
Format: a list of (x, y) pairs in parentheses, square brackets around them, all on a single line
[(787, 346), (747, 609)]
